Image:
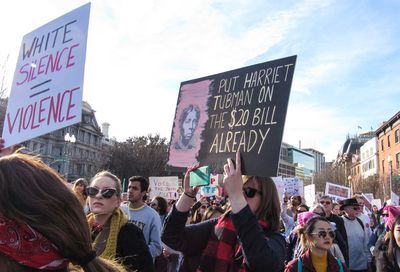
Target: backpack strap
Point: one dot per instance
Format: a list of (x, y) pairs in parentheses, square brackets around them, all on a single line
[(340, 264), (299, 265), (360, 222)]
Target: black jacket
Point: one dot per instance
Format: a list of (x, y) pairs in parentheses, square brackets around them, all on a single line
[(382, 262), (341, 235), (132, 249), (263, 251)]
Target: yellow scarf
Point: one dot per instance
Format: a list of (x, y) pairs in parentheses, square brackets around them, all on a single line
[(118, 219)]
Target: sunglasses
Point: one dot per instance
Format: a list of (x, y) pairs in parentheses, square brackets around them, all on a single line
[(325, 202), (106, 193), (153, 204), (385, 215), (356, 208), (323, 234), (250, 192)]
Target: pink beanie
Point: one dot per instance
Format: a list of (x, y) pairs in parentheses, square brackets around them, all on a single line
[(393, 212), (303, 217)]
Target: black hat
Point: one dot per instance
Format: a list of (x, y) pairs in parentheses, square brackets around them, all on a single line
[(348, 202)]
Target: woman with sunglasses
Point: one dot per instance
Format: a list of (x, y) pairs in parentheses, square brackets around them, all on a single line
[(253, 219), (317, 238), (113, 237)]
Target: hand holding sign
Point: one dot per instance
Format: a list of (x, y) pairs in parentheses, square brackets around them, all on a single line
[(191, 191), (233, 183)]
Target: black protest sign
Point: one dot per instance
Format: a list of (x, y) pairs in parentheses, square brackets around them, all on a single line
[(243, 109)]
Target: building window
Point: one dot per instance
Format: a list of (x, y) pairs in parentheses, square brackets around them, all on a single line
[(383, 166), (382, 144), (398, 160), (396, 136), (388, 137)]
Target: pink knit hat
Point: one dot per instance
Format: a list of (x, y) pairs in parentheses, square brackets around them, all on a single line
[(392, 212), (303, 217)]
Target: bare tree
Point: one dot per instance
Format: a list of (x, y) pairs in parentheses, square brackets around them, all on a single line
[(144, 155)]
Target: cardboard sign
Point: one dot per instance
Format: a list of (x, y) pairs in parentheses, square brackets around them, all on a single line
[(337, 192), (46, 93), (243, 109), (309, 195), (167, 187)]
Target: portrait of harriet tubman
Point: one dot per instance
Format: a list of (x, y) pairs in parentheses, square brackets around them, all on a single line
[(188, 122)]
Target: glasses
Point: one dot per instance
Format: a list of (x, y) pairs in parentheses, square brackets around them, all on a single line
[(323, 234), (153, 204), (325, 202), (106, 193), (356, 208), (385, 215), (250, 192)]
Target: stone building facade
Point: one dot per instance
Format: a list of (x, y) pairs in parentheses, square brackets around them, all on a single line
[(82, 158)]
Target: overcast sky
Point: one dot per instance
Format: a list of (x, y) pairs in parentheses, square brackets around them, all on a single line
[(138, 52)]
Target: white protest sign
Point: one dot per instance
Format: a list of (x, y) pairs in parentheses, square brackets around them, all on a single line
[(280, 187), (377, 202), (394, 200), (210, 190), (369, 196), (166, 187), (46, 93), (293, 186), (337, 192), (309, 194)]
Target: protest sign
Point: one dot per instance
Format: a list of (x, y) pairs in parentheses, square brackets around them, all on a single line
[(167, 187), (394, 200), (210, 190), (369, 196), (46, 92), (337, 192), (377, 202), (367, 201), (280, 187), (309, 194), (240, 110), (293, 186)]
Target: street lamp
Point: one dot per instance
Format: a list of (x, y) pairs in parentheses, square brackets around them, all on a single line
[(350, 185), (389, 158), (69, 139)]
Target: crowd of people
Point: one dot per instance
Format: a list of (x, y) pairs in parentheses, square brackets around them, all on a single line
[(46, 226)]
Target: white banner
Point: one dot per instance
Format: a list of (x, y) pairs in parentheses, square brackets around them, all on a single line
[(46, 93), (166, 187)]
